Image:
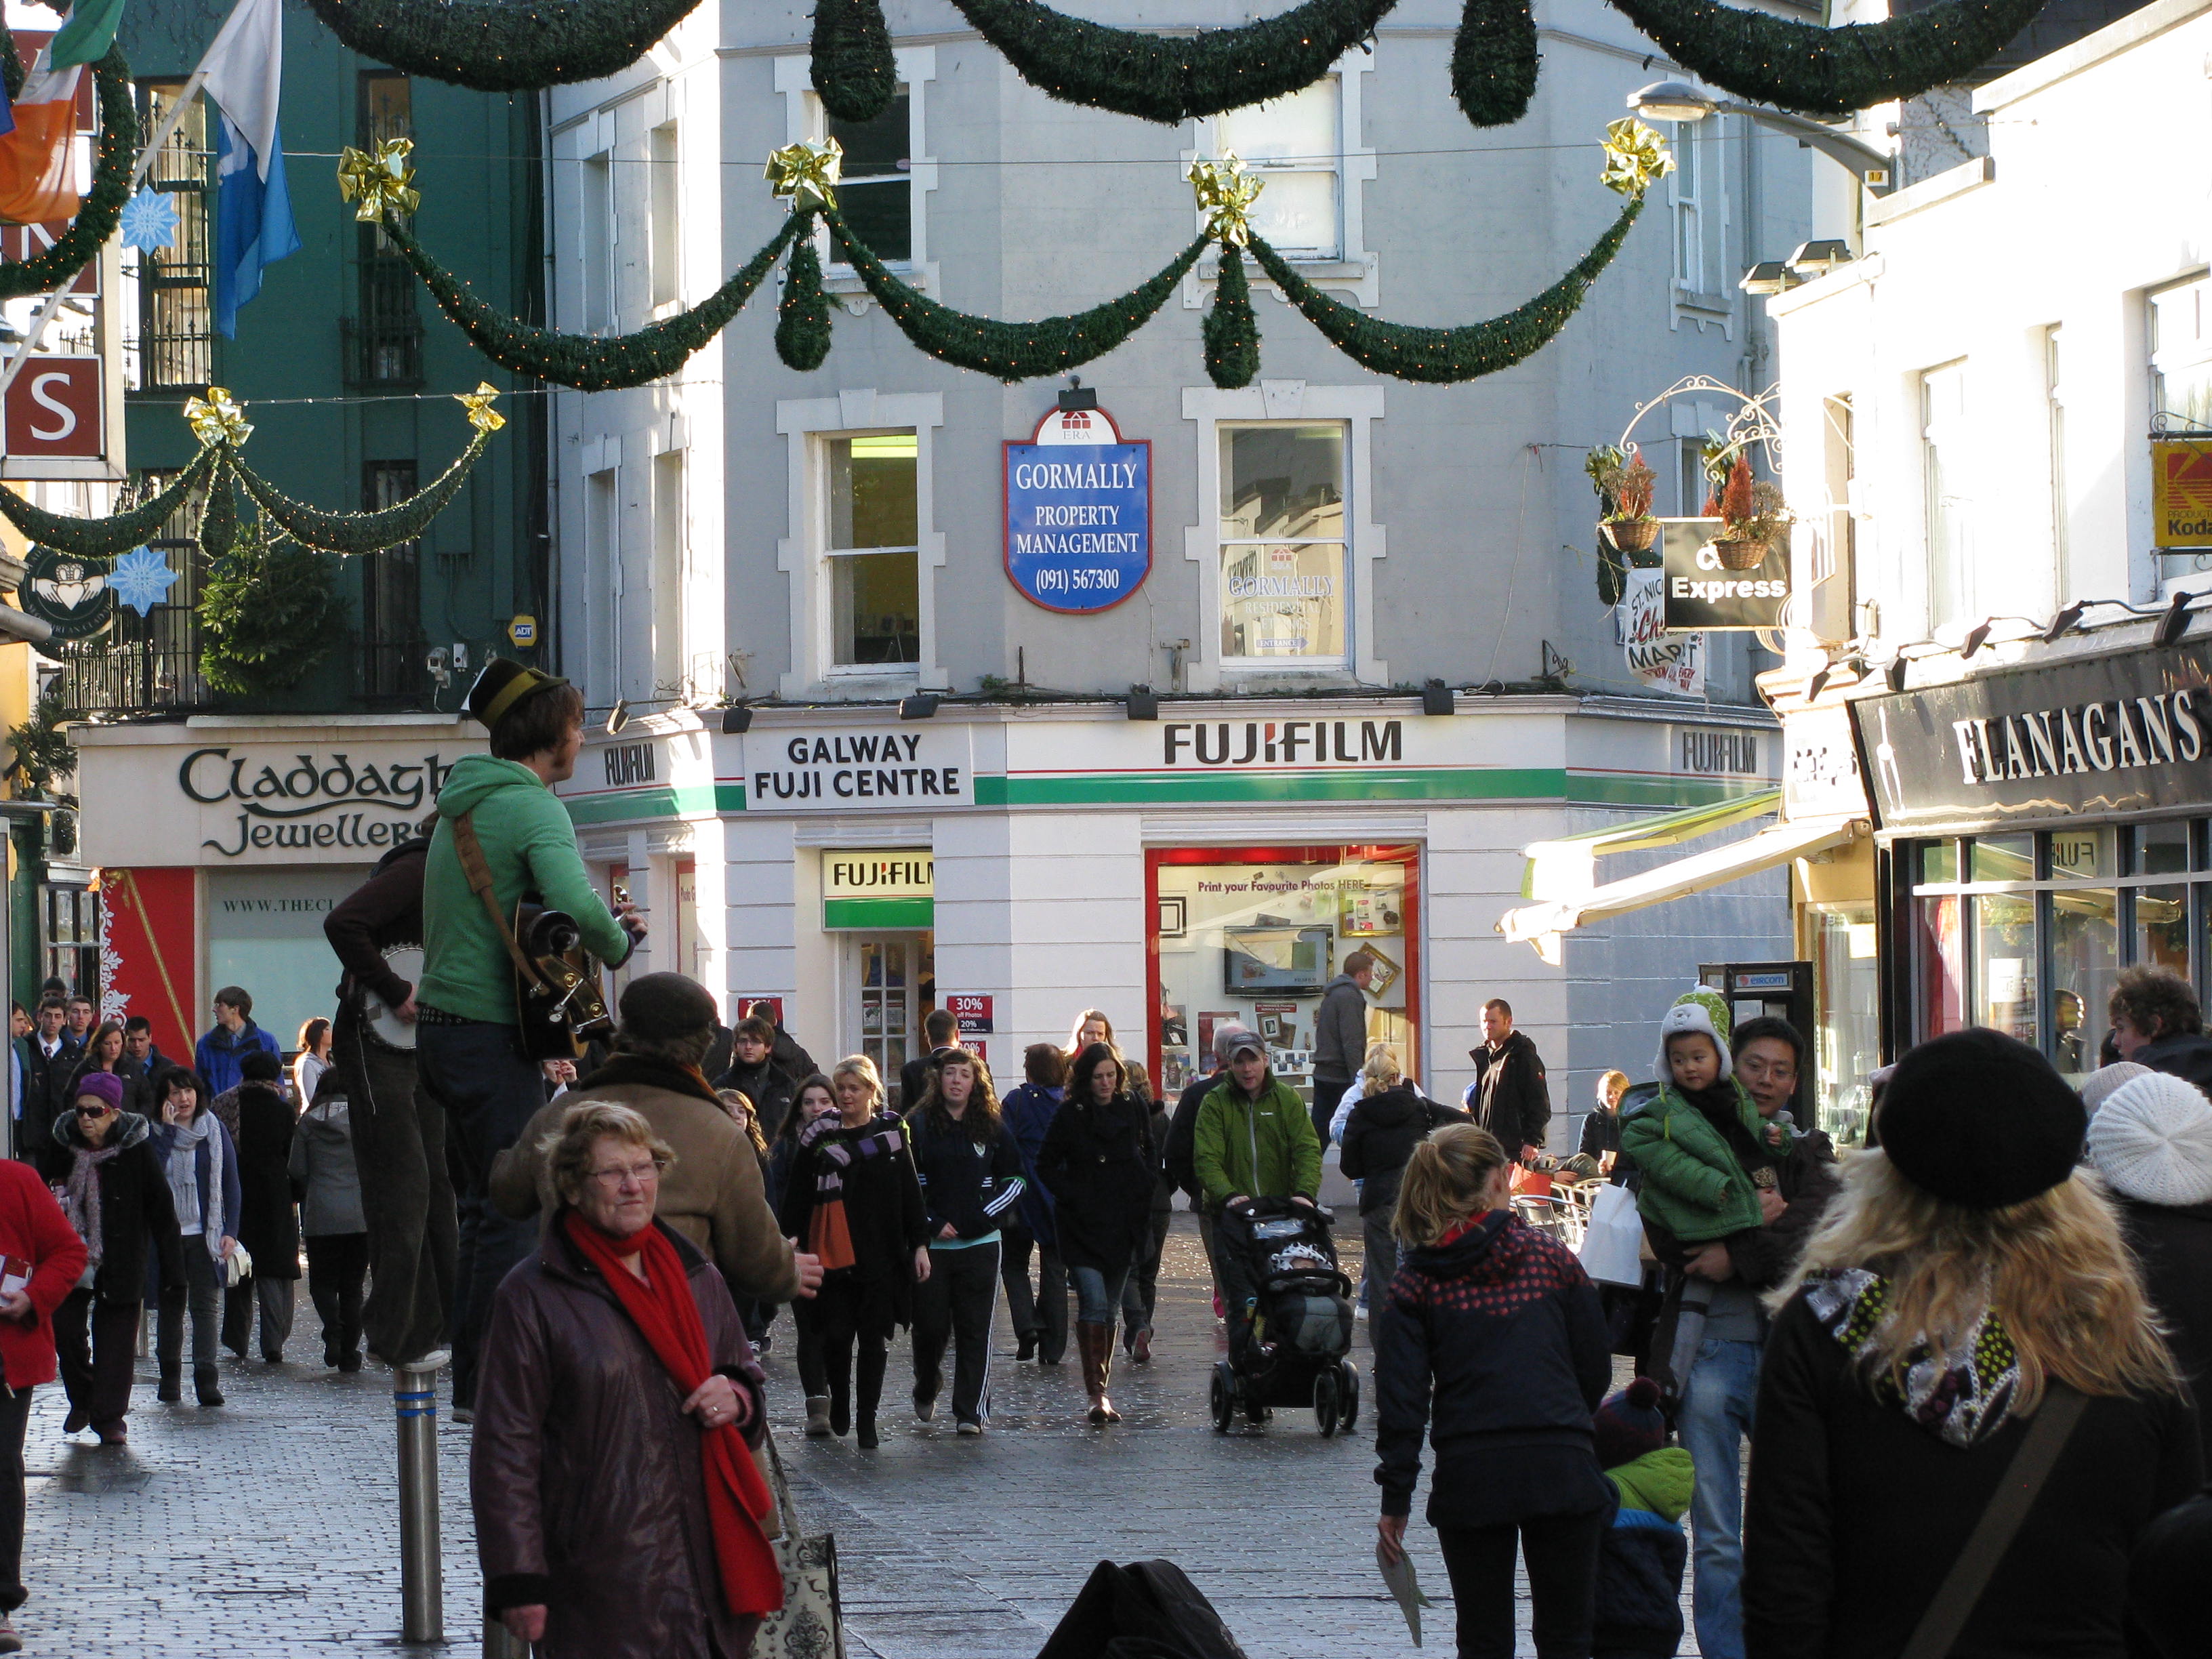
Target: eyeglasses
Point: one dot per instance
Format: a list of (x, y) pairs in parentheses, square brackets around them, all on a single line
[(642, 1173)]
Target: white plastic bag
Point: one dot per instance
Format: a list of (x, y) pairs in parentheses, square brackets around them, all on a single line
[(1611, 1250)]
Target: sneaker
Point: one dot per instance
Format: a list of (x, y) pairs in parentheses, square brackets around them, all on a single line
[(10, 1642), (969, 1425), (1359, 1312)]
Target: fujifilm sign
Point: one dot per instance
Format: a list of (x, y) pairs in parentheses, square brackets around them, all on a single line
[(1282, 743)]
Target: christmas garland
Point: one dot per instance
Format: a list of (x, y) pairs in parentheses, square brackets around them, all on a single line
[(1168, 79), (360, 532), (855, 75), (1231, 331), (268, 614), (1830, 71), (495, 47), (1493, 64), (1009, 351), (102, 207), (1448, 355), (802, 325), (582, 360), (104, 538)]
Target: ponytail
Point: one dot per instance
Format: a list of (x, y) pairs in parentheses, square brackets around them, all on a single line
[(1445, 1181)]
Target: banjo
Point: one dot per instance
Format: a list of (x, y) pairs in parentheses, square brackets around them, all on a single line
[(377, 1020)]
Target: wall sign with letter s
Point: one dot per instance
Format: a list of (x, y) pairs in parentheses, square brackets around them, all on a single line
[(53, 410)]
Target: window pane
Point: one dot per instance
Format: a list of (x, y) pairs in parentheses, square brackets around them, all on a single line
[(2004, 857), (1939, 862), (2162, 850), (1943, 965), (876, 608), (875, 148), (1949, 508), (2082, 854), (2084, 962), (2181, 352), (1848, 1031), (2004, 948), (872, 491), (881, 216), (1282, 601), (1301, 127), (2162, 927), (1282, 482), (1296, 212)]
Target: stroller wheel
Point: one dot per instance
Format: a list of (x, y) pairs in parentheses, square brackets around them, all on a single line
[(1348, 1392), (1221, 1397), (1325, 1402)]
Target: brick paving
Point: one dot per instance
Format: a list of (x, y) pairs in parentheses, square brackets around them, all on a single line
[(270, 1527)]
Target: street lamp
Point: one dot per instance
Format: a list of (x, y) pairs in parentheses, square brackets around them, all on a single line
[(1679, 100)]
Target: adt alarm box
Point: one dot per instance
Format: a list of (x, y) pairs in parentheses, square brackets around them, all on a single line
[(1783, 990)]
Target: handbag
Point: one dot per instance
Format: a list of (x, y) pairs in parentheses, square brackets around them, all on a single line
[(238, 1267), (1612, 1251), (809, 1624)]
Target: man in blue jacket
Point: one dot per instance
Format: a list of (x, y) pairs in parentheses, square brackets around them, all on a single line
[(234, 1036)]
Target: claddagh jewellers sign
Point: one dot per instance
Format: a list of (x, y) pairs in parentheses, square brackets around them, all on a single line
[(2091, 736), (310, 803)]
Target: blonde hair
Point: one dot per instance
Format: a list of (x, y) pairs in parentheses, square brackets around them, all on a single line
[(1381, 1070), (567, 1149), (861, 1066), (2056, 1269), (1447, 1180), (1610, 1087)]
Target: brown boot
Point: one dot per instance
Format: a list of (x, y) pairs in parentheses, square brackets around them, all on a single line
[(1096, 1343)]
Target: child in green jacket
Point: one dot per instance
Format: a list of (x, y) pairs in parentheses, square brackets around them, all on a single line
[(1695, 1186)]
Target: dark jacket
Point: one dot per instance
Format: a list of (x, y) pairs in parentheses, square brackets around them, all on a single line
[(765, 1084), (1505, 1329), (268, 1226), (1028, 1113), (324, 1172), (2185, 1053), (385, 910), (1379, 1139), (914, 1078), (2174, 1245), (1340, 1030), (45, 1084), (1857, 1512), (584, 1473), (790, 1058), (1639, 1587), (1180, 1152), (1102, 1164), (883, 1209), (137, 1087), (1164, 1190), (1509, 1095), (136, 1218), (968, 1183), (221, 1050)]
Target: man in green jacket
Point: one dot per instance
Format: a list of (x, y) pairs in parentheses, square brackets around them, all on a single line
[(467, 1042), (1253, 1139)]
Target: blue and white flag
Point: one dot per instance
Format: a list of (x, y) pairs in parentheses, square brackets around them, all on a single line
[(242, 73)]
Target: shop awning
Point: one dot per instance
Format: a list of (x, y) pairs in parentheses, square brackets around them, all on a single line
[(1568, 866), (1543, 923)]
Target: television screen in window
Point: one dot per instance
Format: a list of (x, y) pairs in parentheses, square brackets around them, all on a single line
[(1280, 961)]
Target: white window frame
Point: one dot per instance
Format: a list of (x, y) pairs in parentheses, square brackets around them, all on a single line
[(1700, 213), (803, 553), (2167, 357), (1355, 273), (1286, 403), (804, 119), (1944, 462)]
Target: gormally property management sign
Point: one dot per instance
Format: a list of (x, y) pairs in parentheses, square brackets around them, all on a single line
[(1078, 512)]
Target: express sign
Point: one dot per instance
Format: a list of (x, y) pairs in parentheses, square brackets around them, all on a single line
[(1078, 512)]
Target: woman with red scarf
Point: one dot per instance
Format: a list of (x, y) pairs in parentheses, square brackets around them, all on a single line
[(619, 1508)]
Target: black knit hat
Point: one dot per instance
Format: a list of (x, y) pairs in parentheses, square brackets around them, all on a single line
[(1629, 1425), (503, 685), (658, 1006), (1980, 1120)]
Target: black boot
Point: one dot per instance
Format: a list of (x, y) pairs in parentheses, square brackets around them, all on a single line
[(172, 1382), (1025, 1347), (207, 1384), (841, 1404), (870, 1363)]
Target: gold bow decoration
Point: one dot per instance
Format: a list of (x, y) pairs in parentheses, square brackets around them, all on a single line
[(381, 181), (1636, 157), (481, 415), (217, 418), (807, 171), (1225, 193)]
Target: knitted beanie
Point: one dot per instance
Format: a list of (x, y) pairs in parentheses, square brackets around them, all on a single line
[(259, 1065), (105, 1085), (2152, 1140), (1703, 1010), (658, 1006), (1980, 1120), (1629, 1425), (2097, 1087)]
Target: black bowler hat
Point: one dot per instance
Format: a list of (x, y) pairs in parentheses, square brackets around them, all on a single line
[(503, 685), (658, 1006), (1980, 1120)]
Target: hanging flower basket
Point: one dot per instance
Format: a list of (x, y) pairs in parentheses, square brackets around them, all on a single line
[(1741, 553), (1630, 535)]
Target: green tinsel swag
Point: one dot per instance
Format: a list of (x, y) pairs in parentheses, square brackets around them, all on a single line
[(105, 538), (1825, 71), (218, 532), (802, 324), (360, 532), (102, 207), (1442, 355), (1158, 78), (1009, 351), (497, 47), (582, 361), (268, 614), (1493, 66), (1231, 331), (855, 75)]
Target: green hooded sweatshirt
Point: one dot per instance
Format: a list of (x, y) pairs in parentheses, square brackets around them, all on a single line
[(530, 845), (1659, 1481), (1265, 1148)]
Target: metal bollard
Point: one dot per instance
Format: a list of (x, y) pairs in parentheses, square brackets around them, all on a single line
[(500, 1643), (421, 1561)]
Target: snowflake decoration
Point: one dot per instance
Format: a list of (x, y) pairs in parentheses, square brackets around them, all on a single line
[(141, 578), (150, 220)]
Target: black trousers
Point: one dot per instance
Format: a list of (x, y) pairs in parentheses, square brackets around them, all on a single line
[(97, 1343), (1327, 1091), (337, 1262), (1140, 1290), (1560, 1551), (201, 1294), (406, 1195), (15, 1418), (954, 1304), (1039, 1313), (830, 1323)]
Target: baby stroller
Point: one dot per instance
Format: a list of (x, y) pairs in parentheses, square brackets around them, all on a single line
[(1302, 1325)]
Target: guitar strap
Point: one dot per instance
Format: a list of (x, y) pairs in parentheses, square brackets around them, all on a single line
[(469, 850)]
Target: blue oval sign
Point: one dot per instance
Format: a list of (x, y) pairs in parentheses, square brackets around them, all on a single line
[(1078, 512)]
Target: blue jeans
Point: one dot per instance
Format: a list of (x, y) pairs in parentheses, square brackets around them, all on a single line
[(1715, 1419), (477, 1071), (1097, 1294)]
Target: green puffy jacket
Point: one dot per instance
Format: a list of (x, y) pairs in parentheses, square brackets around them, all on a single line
[(1264, 1148), (530, 845), (1693, 1185)]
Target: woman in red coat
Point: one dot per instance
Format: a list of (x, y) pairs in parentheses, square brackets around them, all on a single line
[(33, 1234)]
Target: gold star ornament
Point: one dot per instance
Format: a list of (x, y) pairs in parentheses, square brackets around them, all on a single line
[(807, 171), (1636, 157), (481, 415), (217, 418), (379, 181), (1225, 194)]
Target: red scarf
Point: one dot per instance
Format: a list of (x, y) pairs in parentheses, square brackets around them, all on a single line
[(667, 1318)]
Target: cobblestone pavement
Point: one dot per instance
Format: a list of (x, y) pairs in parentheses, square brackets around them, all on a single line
[(269, 1527)]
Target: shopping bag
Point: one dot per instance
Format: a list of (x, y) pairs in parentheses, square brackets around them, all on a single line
[(809, 1624), (238, 1267), (1611, 1250)]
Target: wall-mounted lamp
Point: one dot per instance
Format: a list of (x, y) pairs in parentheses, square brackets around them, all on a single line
[(1770, 277), (2175, 623), (1144, 703), (1895, 673), (1436, 698), (735, 719), (2064, 623), (921, 705), (617, 716), (1977, 637)]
